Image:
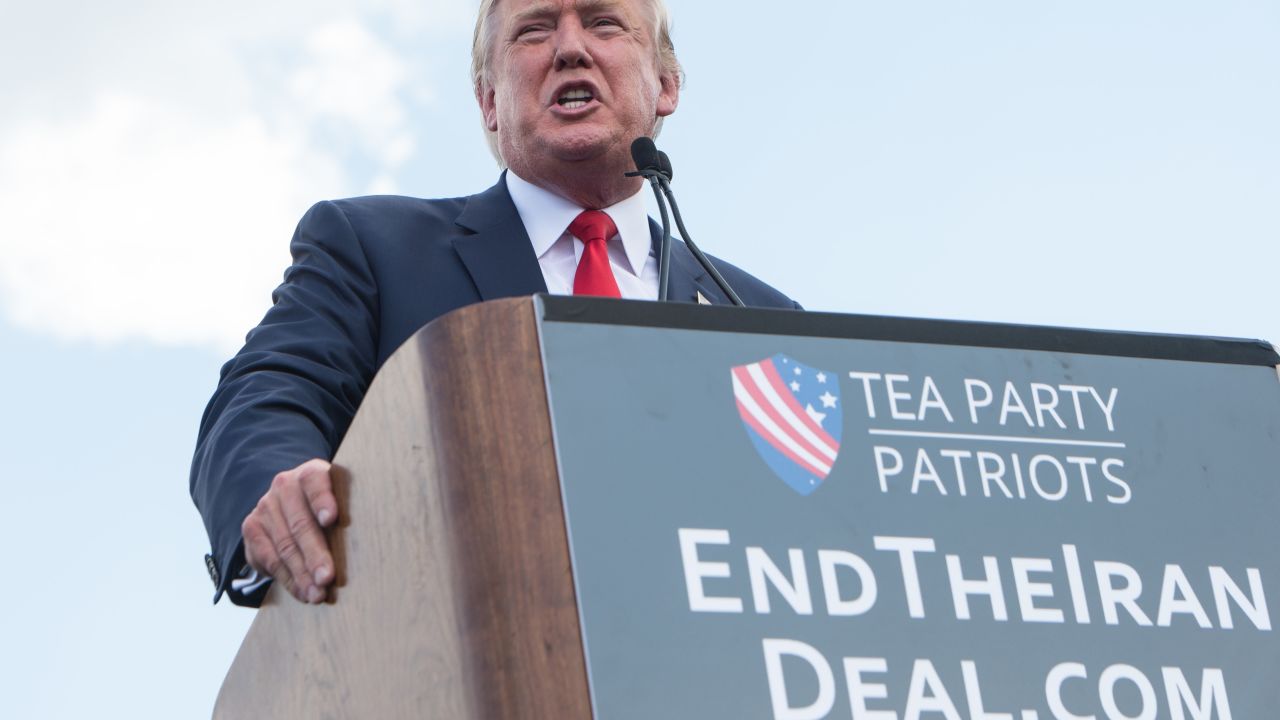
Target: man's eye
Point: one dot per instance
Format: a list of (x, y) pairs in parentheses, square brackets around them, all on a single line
[(606, 22), (531, 29)]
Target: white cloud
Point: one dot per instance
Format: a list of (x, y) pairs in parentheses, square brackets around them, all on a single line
[(142, 221), (415, 16), (350, 79), (156, 203)]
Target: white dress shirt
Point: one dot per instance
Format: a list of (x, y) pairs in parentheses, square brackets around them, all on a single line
[(547, 217)]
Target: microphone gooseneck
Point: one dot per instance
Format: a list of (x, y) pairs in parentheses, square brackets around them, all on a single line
[(665, 173), (655, 166), (648, 162)]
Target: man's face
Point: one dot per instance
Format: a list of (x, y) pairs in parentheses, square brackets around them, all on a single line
[(573, 80)]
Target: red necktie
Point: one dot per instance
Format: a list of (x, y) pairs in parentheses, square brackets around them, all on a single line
[(594, 276)]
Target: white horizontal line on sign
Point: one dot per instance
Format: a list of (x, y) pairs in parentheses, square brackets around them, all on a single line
[(996, 438)]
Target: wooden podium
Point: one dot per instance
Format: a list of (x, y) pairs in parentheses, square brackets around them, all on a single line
[(455, 596), (558, 507)]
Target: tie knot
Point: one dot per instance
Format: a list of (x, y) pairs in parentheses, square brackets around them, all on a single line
[(593, 225)]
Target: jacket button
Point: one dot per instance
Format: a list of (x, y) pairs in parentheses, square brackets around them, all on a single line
[(213, 569)]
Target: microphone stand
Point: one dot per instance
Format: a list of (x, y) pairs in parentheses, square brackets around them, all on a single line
[(655, 166), (661, 180), (664, 248)]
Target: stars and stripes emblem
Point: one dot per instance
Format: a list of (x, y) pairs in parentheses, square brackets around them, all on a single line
[(793, 416)]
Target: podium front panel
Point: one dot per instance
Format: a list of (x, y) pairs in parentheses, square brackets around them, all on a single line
[(777, 514)]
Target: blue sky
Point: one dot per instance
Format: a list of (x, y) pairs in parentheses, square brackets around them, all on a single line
[(1090, 164)]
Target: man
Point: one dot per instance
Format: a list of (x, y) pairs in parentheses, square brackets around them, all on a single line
[(564, 87)]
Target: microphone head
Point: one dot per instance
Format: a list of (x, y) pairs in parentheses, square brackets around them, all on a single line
[(664, 166), (645, 155)]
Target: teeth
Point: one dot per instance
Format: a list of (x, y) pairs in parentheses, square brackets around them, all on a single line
[(574, 99)]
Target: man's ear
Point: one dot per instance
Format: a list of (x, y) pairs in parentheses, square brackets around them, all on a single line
[(485, 97), (669, 94)]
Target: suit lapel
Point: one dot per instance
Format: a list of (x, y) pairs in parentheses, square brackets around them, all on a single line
[(498, 255)]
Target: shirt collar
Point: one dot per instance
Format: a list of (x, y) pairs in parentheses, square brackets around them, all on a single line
[(547, 217)]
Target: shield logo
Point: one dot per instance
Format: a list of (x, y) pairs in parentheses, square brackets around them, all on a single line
[(793, 416)]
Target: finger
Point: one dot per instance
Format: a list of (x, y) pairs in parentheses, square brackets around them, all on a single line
[(261, 554), (285, 579), (306, 534), (258, 550), (286, 547), (317, 485)]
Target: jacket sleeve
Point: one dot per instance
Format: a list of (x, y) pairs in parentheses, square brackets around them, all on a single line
[(292, 390)]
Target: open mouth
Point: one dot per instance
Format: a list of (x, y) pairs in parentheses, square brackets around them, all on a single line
[(574, 99)]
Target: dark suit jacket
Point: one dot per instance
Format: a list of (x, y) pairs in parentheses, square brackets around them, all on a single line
[(367, 273)]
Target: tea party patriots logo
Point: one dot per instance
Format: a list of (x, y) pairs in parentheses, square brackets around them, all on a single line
[(793, 416)]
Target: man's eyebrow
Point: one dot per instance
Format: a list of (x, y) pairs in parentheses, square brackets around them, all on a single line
[(534, 12), (544, 10), (592, 6)]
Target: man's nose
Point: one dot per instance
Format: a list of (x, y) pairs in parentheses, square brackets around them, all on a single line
[(573, 46)]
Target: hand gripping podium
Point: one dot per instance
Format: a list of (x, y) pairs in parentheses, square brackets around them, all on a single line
[(572, 508)]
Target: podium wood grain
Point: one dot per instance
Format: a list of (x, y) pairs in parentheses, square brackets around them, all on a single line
[(455, 595)]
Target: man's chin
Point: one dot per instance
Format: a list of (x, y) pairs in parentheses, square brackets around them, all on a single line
[(588, 151), (582, 147)]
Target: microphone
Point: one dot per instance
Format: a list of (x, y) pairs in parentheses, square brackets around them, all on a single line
[(664, 166), (649, 166), (646, 156), (655, 166), (665, 173)]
